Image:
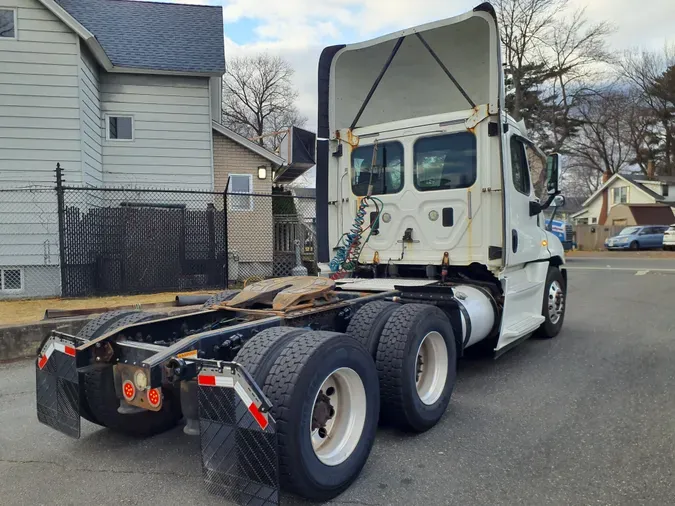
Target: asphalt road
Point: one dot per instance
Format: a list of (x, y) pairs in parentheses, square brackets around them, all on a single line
[(609, 262), (586, 418)]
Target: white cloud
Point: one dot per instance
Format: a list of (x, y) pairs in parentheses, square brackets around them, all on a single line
[(299, 29)]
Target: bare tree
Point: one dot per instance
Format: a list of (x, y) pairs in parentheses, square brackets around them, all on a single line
[(575, 50), (259, 97), (523, 24), (652, 75), (601, 144)]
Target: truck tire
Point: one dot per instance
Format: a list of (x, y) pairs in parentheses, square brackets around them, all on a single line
[(417, 366), (98, 399), (99, 388), (219, 297), (553, 305), (95, 328), (323, 384), (259, 353), (367, 324)]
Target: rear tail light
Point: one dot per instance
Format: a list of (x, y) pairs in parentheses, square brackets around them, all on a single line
[(128, 390), (154, 397)]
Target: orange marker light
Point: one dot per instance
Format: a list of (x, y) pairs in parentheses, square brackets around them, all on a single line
[(544, 243)]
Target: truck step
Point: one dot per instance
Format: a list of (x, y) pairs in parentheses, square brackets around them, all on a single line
[(530, 323)]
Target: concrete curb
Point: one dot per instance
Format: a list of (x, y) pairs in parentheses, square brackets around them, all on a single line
[(22, 341)]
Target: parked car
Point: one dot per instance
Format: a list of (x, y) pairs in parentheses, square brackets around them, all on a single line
[(643, 237), (669, 238)]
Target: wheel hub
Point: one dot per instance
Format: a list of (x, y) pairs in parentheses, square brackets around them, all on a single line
[(338, 416), (431, 371), (556, 302), (323, 411)]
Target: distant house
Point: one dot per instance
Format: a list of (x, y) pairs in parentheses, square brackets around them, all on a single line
[(249, 168), (118, 92), (623, 197)]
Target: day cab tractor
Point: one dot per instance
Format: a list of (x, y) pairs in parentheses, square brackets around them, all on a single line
[(431, 241)]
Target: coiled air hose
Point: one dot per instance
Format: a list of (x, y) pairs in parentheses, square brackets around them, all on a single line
[(349, 246)]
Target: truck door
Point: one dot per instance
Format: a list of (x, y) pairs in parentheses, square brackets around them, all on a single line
[(523, 235)]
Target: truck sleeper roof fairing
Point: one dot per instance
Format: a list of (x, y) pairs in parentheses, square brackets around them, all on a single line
[(445, 66)]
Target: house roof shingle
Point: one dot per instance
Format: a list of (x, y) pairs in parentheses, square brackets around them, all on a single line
[(155, 36)]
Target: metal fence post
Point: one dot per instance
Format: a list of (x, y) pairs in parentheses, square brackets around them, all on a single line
[(225, 237), (62, 227)]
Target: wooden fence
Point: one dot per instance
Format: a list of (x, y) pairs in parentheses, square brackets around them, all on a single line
[(592, 237)]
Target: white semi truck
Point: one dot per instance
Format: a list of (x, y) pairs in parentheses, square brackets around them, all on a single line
[(431, 241)]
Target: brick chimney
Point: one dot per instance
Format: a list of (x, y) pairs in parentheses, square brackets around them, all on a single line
[(605, 204), (650, 169)]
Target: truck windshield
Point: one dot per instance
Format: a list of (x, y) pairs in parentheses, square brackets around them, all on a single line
[(386, 176), (445, 162)]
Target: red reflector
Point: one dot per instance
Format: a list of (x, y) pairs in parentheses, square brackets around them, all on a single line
[(259, 417), (154, 397), (70, 351), (206, 380), (128, 390), (42, 361)]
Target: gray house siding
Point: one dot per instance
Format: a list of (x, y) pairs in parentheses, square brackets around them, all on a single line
[(90, 119), (172, 131), (39, 123), (39, 126)]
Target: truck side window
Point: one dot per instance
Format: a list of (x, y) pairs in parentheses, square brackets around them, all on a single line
[(445, 162), (520, 171), (387, 175)]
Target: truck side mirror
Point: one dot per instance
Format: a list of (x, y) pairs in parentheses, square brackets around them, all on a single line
[(553, 170), (558, 201)]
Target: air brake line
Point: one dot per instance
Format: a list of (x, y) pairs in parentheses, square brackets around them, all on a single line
[(350, 244)]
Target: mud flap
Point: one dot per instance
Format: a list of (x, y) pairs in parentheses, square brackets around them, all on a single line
[(57, 388), (238, 436)]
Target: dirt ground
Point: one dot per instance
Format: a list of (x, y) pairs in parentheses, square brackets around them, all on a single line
[(32, 310), (622, 254)]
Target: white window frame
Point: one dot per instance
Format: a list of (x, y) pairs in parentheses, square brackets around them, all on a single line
[(230, 192), (16, 23), (618, 189), (2, 280), (120, 115)]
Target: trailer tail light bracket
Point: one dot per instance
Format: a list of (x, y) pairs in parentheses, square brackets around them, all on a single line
[(237, 434)]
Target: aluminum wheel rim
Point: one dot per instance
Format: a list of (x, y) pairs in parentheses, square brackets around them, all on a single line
[(556, 302), (342, 431), (431, 370)]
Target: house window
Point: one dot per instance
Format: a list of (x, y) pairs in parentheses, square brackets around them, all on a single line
[(519, 168), (119, 128), (11, 280), (620, 195), (594, 220), (8, 24), (241, 186), (665, 190)]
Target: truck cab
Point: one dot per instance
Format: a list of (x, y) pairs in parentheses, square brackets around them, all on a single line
[(419, 160)]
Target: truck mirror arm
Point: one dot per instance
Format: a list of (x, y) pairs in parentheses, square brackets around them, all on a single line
[(536, 207)]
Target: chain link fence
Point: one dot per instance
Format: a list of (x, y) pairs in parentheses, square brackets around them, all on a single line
[(29, 243), (87, 241)]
